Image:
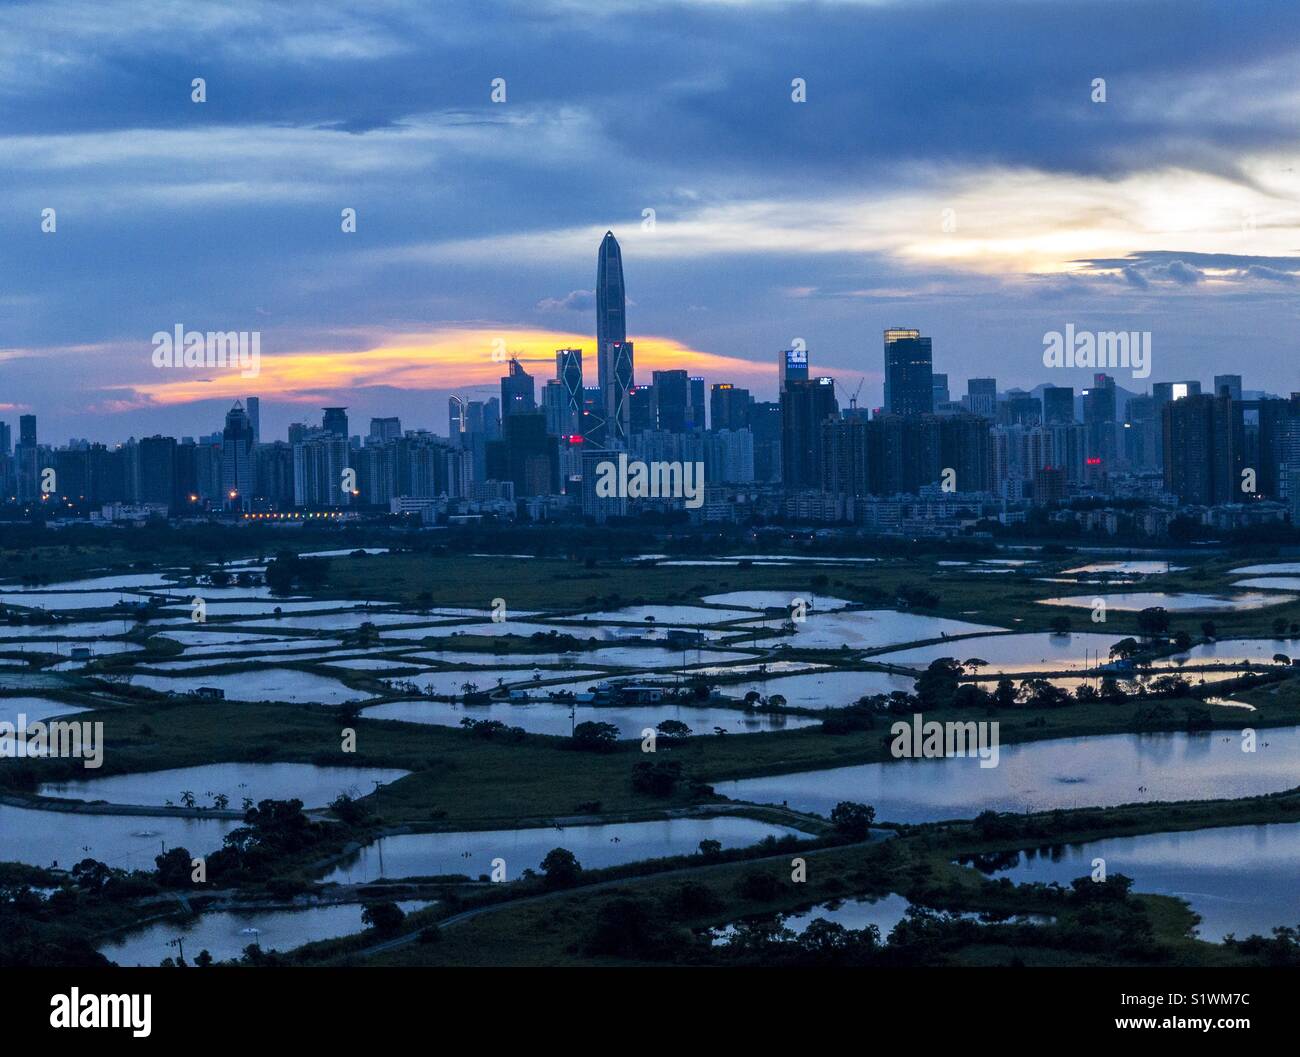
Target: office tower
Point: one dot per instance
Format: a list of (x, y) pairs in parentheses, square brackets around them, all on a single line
[(1099, 422), (1140, 425), (156, 460), (642, 414), (1058, 405), (982, 396), (553, 407), (1020, 409), (939, 387), (611, 303), (27, 431), (672, 391), (1166, 391), (253, 407), (845, 463), (274, 479), (805, 405), (336, 421), (526, 456), (518, 397), (383, 429), (904, 452), (964, 447), (1202, 443), (614, 353), (765, 424), (1162, 393), (6, 438), (729, 406), (909, 373), (729, 456), (1265, 425), (618, 378), (791, 366), (568, 372), (593, 415), (696, 415), (238, 473), (319, 458), (1232, 382)]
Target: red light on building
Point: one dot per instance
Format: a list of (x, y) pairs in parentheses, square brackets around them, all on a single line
[(1093, 460), (575, 438)]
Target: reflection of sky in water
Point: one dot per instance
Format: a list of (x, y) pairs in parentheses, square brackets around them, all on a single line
[(1240, 879), (1044, 775)]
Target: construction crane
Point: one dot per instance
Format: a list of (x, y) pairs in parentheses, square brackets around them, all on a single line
[(853, 400)]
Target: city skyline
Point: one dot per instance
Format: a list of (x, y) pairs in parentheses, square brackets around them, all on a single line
[(1168, 206)]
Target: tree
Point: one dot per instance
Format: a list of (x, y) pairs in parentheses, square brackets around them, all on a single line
[(1182, 640), (560, 868), (594, 737), (710, 848), (657, 779), (173, 868), (1153, 620), (937, 685), (385, 917), (1125, 648), (673, 729), (1060, 625), (1208, 629), (853, 820)]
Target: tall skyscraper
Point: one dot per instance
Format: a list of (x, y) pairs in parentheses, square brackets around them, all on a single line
[(568, 372), (336, 421), (385, 429), (1232, 382), (805, 406), (27, 431), (791, 366), (238, 470), (611, 300), (1058, 405), (982, 396), (253, 405), (1099, 419), (939, 385), (617, 370), (518, 396), (1202, 443), (729, 406), (909, 373), (696, 415), (672, 400)]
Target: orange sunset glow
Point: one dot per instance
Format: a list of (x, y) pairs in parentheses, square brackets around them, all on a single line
[(444, 359)]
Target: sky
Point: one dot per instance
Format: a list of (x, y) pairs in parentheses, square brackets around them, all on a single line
[(951, 168)]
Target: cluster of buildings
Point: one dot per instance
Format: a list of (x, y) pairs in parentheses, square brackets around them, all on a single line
[(924, 462)]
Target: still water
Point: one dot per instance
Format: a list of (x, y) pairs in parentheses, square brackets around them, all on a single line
[(548, 718), (314, 786), (225, 933), (429, 854), (1045, 775), (1240, 879), (127, 842)]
